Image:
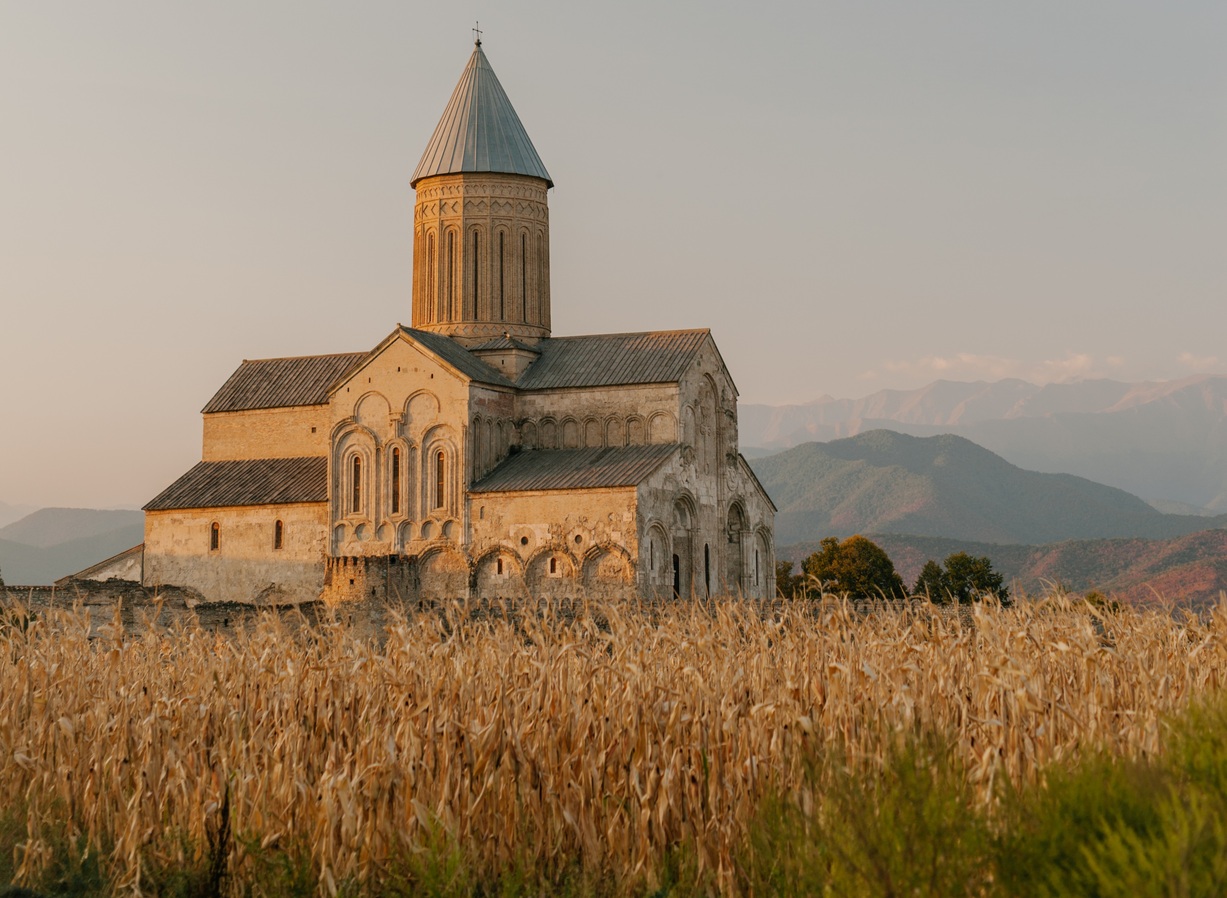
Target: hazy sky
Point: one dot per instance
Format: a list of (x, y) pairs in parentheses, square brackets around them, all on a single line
[(852, 195)]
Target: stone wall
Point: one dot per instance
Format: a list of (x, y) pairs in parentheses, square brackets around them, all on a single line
[(245, 566), (297, 432)]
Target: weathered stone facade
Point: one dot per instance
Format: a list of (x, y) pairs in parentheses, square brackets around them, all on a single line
[(472, 455)]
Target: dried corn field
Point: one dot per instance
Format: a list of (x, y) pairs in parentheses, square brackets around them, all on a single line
[(603, 739)]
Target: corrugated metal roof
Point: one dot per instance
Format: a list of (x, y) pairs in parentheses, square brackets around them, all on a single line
[(458, 357), (504, 342), (480, 131), (276, 383), (606, 360), (261, 481), (575, 469)]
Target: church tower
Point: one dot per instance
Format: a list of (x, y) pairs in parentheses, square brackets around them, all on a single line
[(481, 230)]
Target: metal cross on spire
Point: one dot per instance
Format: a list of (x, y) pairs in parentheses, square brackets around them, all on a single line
[(477, 32)]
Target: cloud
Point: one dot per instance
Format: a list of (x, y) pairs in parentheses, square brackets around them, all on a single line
[(974, 366), (1198, 362)]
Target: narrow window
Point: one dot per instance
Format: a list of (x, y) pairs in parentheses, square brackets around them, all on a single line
[(432, 299), (539, 306), (278, 534), (501, 304), (215, 536), (439, 466), (553, 565), (476, 268), (707, 569), (756, 567), (451, 275), (395, 480), (355, 504), (652, 554), (524, 276), (499, 564)]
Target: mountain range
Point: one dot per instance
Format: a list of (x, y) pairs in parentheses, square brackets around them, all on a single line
[(947, 486), (1163, 441), (50, 543)]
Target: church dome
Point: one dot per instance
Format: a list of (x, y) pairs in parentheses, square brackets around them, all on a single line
[(480, 131)]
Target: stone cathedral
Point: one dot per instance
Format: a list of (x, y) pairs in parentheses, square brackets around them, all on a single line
[(473, 453)]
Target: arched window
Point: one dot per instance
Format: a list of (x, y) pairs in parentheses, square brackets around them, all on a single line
[(553, 565), (215, 536), (395, 480), (502, 313), (707, 569), (451, 275), (473, 313), (499, 564), (355, 504), (524, 276), (278, 534), (432, 270), (440, 471), (539, 306)]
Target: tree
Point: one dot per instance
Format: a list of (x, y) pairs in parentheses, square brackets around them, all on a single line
[(933, 583), (856, 567), (788, 584), (965, 578)]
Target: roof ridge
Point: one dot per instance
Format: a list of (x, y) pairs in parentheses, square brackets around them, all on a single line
[(292, 358), (680, 330)]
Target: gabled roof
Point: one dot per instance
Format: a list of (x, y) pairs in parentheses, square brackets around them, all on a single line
[(575, 469), (277, 383), (260, 481), (458, 357), (606, 360), (480, 131)]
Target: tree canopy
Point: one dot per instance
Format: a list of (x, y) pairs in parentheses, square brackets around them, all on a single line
[(857, 567), (965, 578)]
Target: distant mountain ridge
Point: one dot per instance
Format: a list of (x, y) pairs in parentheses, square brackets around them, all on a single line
[(1158, 440), (947, 486), (51, 543)]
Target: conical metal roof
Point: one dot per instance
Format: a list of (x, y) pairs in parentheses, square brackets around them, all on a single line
[(480, 131)]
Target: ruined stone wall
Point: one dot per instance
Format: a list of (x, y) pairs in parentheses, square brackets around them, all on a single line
[(296, 432), (245, 566), (603, 416)]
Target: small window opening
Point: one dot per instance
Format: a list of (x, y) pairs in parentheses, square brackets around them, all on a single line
[(451, 275), (652, 555), (524, 540), (355, 504), (440, 465), (553, 565), (499, 565), (578, 539), (756, 567), (278, 534), (313, 430), (481, 516), (395, 480), (707, 569), (501, 310), (215, 536)]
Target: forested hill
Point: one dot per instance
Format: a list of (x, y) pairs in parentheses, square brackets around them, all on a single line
[(1189, 571), (947, 486)]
